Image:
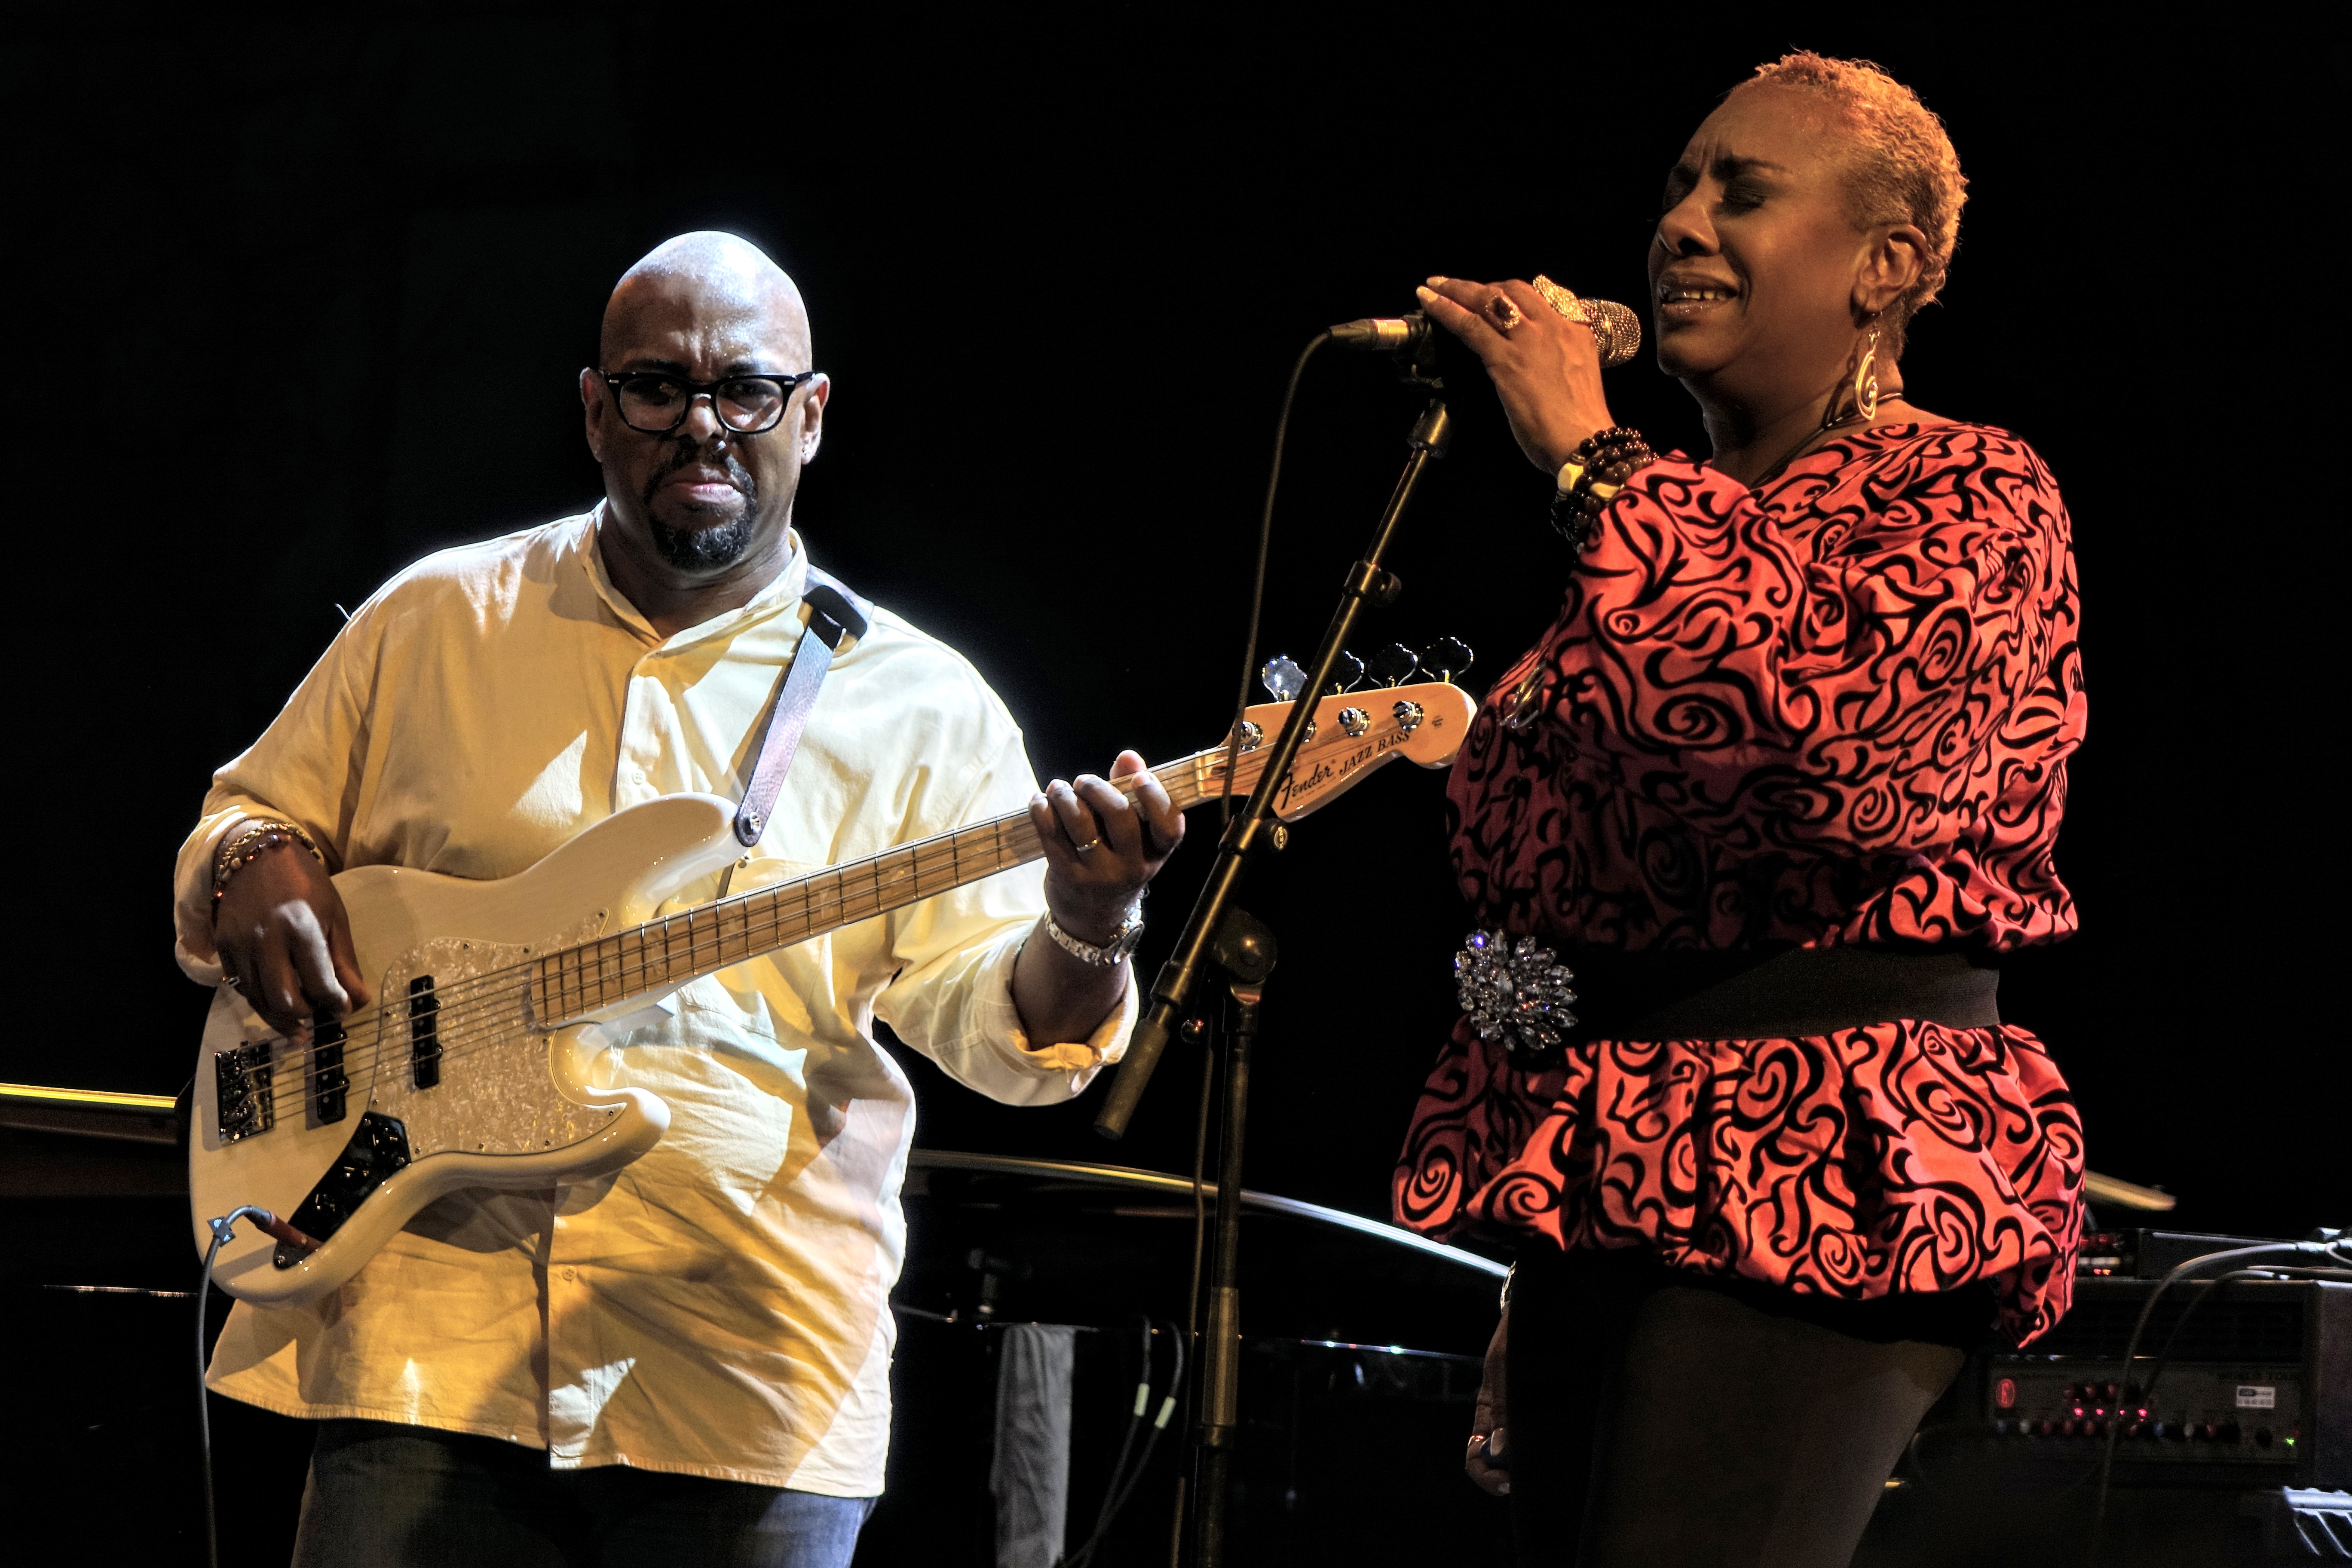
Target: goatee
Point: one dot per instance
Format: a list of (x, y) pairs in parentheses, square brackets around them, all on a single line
[(702, 549), (705, 549)]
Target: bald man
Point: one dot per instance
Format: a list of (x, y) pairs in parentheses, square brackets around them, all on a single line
[(687, 1361)]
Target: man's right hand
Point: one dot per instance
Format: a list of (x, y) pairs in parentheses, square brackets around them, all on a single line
[(285, 941)]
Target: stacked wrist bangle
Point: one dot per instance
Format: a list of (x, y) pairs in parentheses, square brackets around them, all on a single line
[(256, 839), (1591, 479)]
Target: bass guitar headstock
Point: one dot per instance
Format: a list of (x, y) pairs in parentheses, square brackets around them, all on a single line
[(1357, 731), (1350, 735)]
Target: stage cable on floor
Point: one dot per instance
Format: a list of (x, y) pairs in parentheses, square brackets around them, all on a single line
[(1077, 1558), (1124, 1479), (1159, 1428)]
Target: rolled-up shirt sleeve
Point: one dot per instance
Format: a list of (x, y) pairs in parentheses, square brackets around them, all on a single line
[(952, 997)]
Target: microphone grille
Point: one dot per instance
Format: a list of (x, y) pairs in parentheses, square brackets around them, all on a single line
[(1616, 329)]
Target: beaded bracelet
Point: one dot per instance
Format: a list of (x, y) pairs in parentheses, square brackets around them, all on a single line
[(1592, 478), (257, 839)]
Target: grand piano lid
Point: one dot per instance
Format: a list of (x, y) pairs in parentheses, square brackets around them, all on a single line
[(1080, 1173)]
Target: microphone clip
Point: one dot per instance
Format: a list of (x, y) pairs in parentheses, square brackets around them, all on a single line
[(1416, 363), (1411, 339)]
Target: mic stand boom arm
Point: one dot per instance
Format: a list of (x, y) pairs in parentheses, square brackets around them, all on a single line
[(1367, 581)]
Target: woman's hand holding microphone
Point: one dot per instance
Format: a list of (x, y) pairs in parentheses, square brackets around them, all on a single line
[(1545, 367)]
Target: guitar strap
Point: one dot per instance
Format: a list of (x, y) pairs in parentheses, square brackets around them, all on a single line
[(835, 615)]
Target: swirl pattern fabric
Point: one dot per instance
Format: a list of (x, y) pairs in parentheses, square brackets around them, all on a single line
[(1837, 710)]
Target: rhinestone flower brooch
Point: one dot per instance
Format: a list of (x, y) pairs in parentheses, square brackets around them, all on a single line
[(1515, 993)]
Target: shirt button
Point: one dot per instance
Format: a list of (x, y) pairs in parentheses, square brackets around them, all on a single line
[(569, 1276), (637, 776)]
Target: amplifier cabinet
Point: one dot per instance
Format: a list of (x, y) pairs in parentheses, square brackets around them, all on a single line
[(2249, 1420), (2256, 1389)]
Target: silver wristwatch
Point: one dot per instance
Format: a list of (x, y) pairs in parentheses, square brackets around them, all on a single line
[(1125, 938)]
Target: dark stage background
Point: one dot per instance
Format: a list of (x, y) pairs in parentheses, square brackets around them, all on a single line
[(308, 301)]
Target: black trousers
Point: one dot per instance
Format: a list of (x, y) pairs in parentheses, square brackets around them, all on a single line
[(381, 1495), (1660, 1421)]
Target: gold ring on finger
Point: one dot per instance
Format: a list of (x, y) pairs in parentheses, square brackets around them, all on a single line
[(1505, 314), (1089, 844)]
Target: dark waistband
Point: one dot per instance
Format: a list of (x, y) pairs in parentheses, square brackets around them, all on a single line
[(1784, 993)]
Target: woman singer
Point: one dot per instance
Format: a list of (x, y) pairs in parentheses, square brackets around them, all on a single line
[(1745, 834)]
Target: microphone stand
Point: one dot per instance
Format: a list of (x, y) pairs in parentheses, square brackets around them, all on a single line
[(1245, 950), (1367, 581), (1220, 933)]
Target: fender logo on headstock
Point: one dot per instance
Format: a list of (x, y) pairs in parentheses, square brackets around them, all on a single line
[(1329, 773), (1357, 733)]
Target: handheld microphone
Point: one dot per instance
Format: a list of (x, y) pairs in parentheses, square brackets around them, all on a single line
[(1616, 329)]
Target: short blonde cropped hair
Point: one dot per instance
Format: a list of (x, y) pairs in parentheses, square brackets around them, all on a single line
[(1903, 167)]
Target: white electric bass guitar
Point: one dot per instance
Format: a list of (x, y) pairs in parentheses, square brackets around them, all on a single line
[(468, 1069)]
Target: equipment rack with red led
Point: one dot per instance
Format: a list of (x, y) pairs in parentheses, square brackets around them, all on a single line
[(2256, 1389)]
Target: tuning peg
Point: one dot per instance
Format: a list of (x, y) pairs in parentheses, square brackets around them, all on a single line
[(1447, 657), (1396, 664), (1347, 674), (1283, 677)]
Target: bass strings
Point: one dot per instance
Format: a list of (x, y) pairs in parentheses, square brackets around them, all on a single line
[(363, 1044), (761, 929), (760, 932)]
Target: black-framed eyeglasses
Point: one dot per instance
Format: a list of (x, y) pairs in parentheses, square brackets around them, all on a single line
[(656, 402)]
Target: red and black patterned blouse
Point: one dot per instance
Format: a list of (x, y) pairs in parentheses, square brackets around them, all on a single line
[(1835, 709)]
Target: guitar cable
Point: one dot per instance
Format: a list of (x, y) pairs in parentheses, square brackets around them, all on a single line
[(221, 1229)]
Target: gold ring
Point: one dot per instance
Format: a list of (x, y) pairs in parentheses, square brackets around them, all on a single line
[(1089, 844), (1507, 314), (1561, 299)]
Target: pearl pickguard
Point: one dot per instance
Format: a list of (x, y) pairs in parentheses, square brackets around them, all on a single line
[(511, 1103)]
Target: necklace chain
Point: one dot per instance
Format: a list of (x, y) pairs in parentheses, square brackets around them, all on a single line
[(1811, 436)]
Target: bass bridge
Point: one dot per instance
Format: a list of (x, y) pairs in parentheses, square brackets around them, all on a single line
[(242, 1099)]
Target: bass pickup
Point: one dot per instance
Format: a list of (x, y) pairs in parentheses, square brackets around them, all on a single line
[(424, 1032)]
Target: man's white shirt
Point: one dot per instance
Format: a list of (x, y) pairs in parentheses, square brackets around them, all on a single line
[(721, 1307)]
